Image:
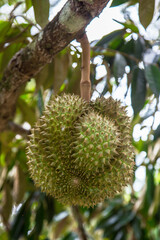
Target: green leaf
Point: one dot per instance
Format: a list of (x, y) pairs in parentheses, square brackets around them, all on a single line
[(74, 77), (119, 66), (8, 54), (40, 102), (111, 220), (157, 133), (152, 74), (128, 25), (105, 89), (20, 224), (141, 145), (28, 4), (138, 90), (4, 27), (136, 225), (38, 222), (110, 37), (116, 43), (70, 236), (11, 2), (3, 235), (54, 74), (42, 78), (50, 208), (139, 48), (39, 218), (128, 216), (28, 112), (116, 3), (18, 33), (2, 2), (120, 235), (128, 47), (150, 189), (41, 11), (146, 11), (60, 66)]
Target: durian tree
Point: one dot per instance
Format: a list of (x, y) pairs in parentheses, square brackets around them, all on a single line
[(70, 165)]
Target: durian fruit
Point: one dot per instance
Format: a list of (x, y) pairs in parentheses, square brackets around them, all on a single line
[(125, 152), (80, 153), (96, 140)]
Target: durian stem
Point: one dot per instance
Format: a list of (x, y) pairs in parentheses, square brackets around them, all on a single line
[(85, 84), (78, 218)]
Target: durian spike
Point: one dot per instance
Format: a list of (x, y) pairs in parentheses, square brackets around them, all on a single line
[(85, 84)]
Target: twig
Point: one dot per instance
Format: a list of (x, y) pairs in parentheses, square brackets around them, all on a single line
[(85, 84), (15, 7), (18, 129), (28, 20), (78, 218), (114, 51)]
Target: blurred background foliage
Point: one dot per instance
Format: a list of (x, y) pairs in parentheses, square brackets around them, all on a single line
[(125, 64)]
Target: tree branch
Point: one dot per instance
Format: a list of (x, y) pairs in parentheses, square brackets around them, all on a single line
[(18, 129), (78, 218), (69, 23)]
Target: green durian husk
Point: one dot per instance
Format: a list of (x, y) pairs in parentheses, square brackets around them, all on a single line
[(96, 140), (81, 153), (118, 114)]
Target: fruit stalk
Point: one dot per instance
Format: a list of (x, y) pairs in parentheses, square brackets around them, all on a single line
[(78, 218), (85, 83)]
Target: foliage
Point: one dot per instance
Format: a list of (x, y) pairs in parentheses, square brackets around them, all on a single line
[(130, 60)]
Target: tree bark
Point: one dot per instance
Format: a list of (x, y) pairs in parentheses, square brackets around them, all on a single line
[(68, 25)]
